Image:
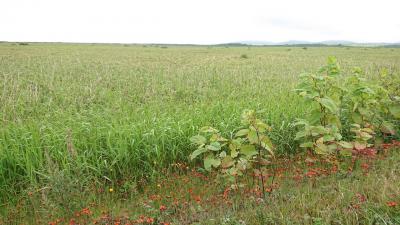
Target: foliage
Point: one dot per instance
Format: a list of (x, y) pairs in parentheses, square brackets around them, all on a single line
[(322, 131), (130, 110), (244, 56), (250, 148), (212, 145), (342, 105)]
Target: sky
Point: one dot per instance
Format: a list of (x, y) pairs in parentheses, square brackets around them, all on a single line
[(199, 22)]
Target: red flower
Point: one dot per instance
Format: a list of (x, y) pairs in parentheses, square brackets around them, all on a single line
[(361, 197), (86, 211), (391, 204), (311, 174), (365, 166), (163, 208), (197, 198)]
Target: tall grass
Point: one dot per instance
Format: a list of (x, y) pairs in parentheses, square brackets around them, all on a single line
[(107, 112)]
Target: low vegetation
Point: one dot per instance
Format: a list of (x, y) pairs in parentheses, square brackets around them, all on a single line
[(101, 133)]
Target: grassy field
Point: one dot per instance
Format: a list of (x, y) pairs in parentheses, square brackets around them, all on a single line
[(73, 116), (304, 192)]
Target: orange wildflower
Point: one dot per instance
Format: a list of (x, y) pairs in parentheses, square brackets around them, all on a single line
[(391, 204), (163, 208), (149, 220)]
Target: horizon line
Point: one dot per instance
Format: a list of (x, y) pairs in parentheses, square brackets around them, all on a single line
[(247, 42)]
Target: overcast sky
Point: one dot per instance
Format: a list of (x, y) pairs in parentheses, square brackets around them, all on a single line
[(199, 22)]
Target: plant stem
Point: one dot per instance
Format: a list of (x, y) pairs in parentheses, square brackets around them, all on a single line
[(259, 163), (273, 178)]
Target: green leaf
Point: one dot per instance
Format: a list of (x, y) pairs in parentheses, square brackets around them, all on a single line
[(345, 152), (221, 139), (301, 122), (315, 117), (318, 130), (307, 145), (368, 130), (359, 145), (329, 104), (210, 162), (252, 136), (356, 126), (395, 111), (332, 119), (234, 153), (261, 126), (242, 132), (345, 144), (235, 144), (321, 149), (328, 137), (217, 137), (387, 128), (355, 106), (197, 152), (227, 162), (357, 118), (266, 142), (332, 148), (214, 146), (337, 136), (300, 135), (208, 130), (365, 112), (332, 60), (198, 139), (357, 70), (248, 150), (365, 136)]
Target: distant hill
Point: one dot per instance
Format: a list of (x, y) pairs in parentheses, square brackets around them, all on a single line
[(397, 45), (298, 43), (321, 43)]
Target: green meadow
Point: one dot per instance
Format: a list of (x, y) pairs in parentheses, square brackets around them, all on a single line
[(73, 116)]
